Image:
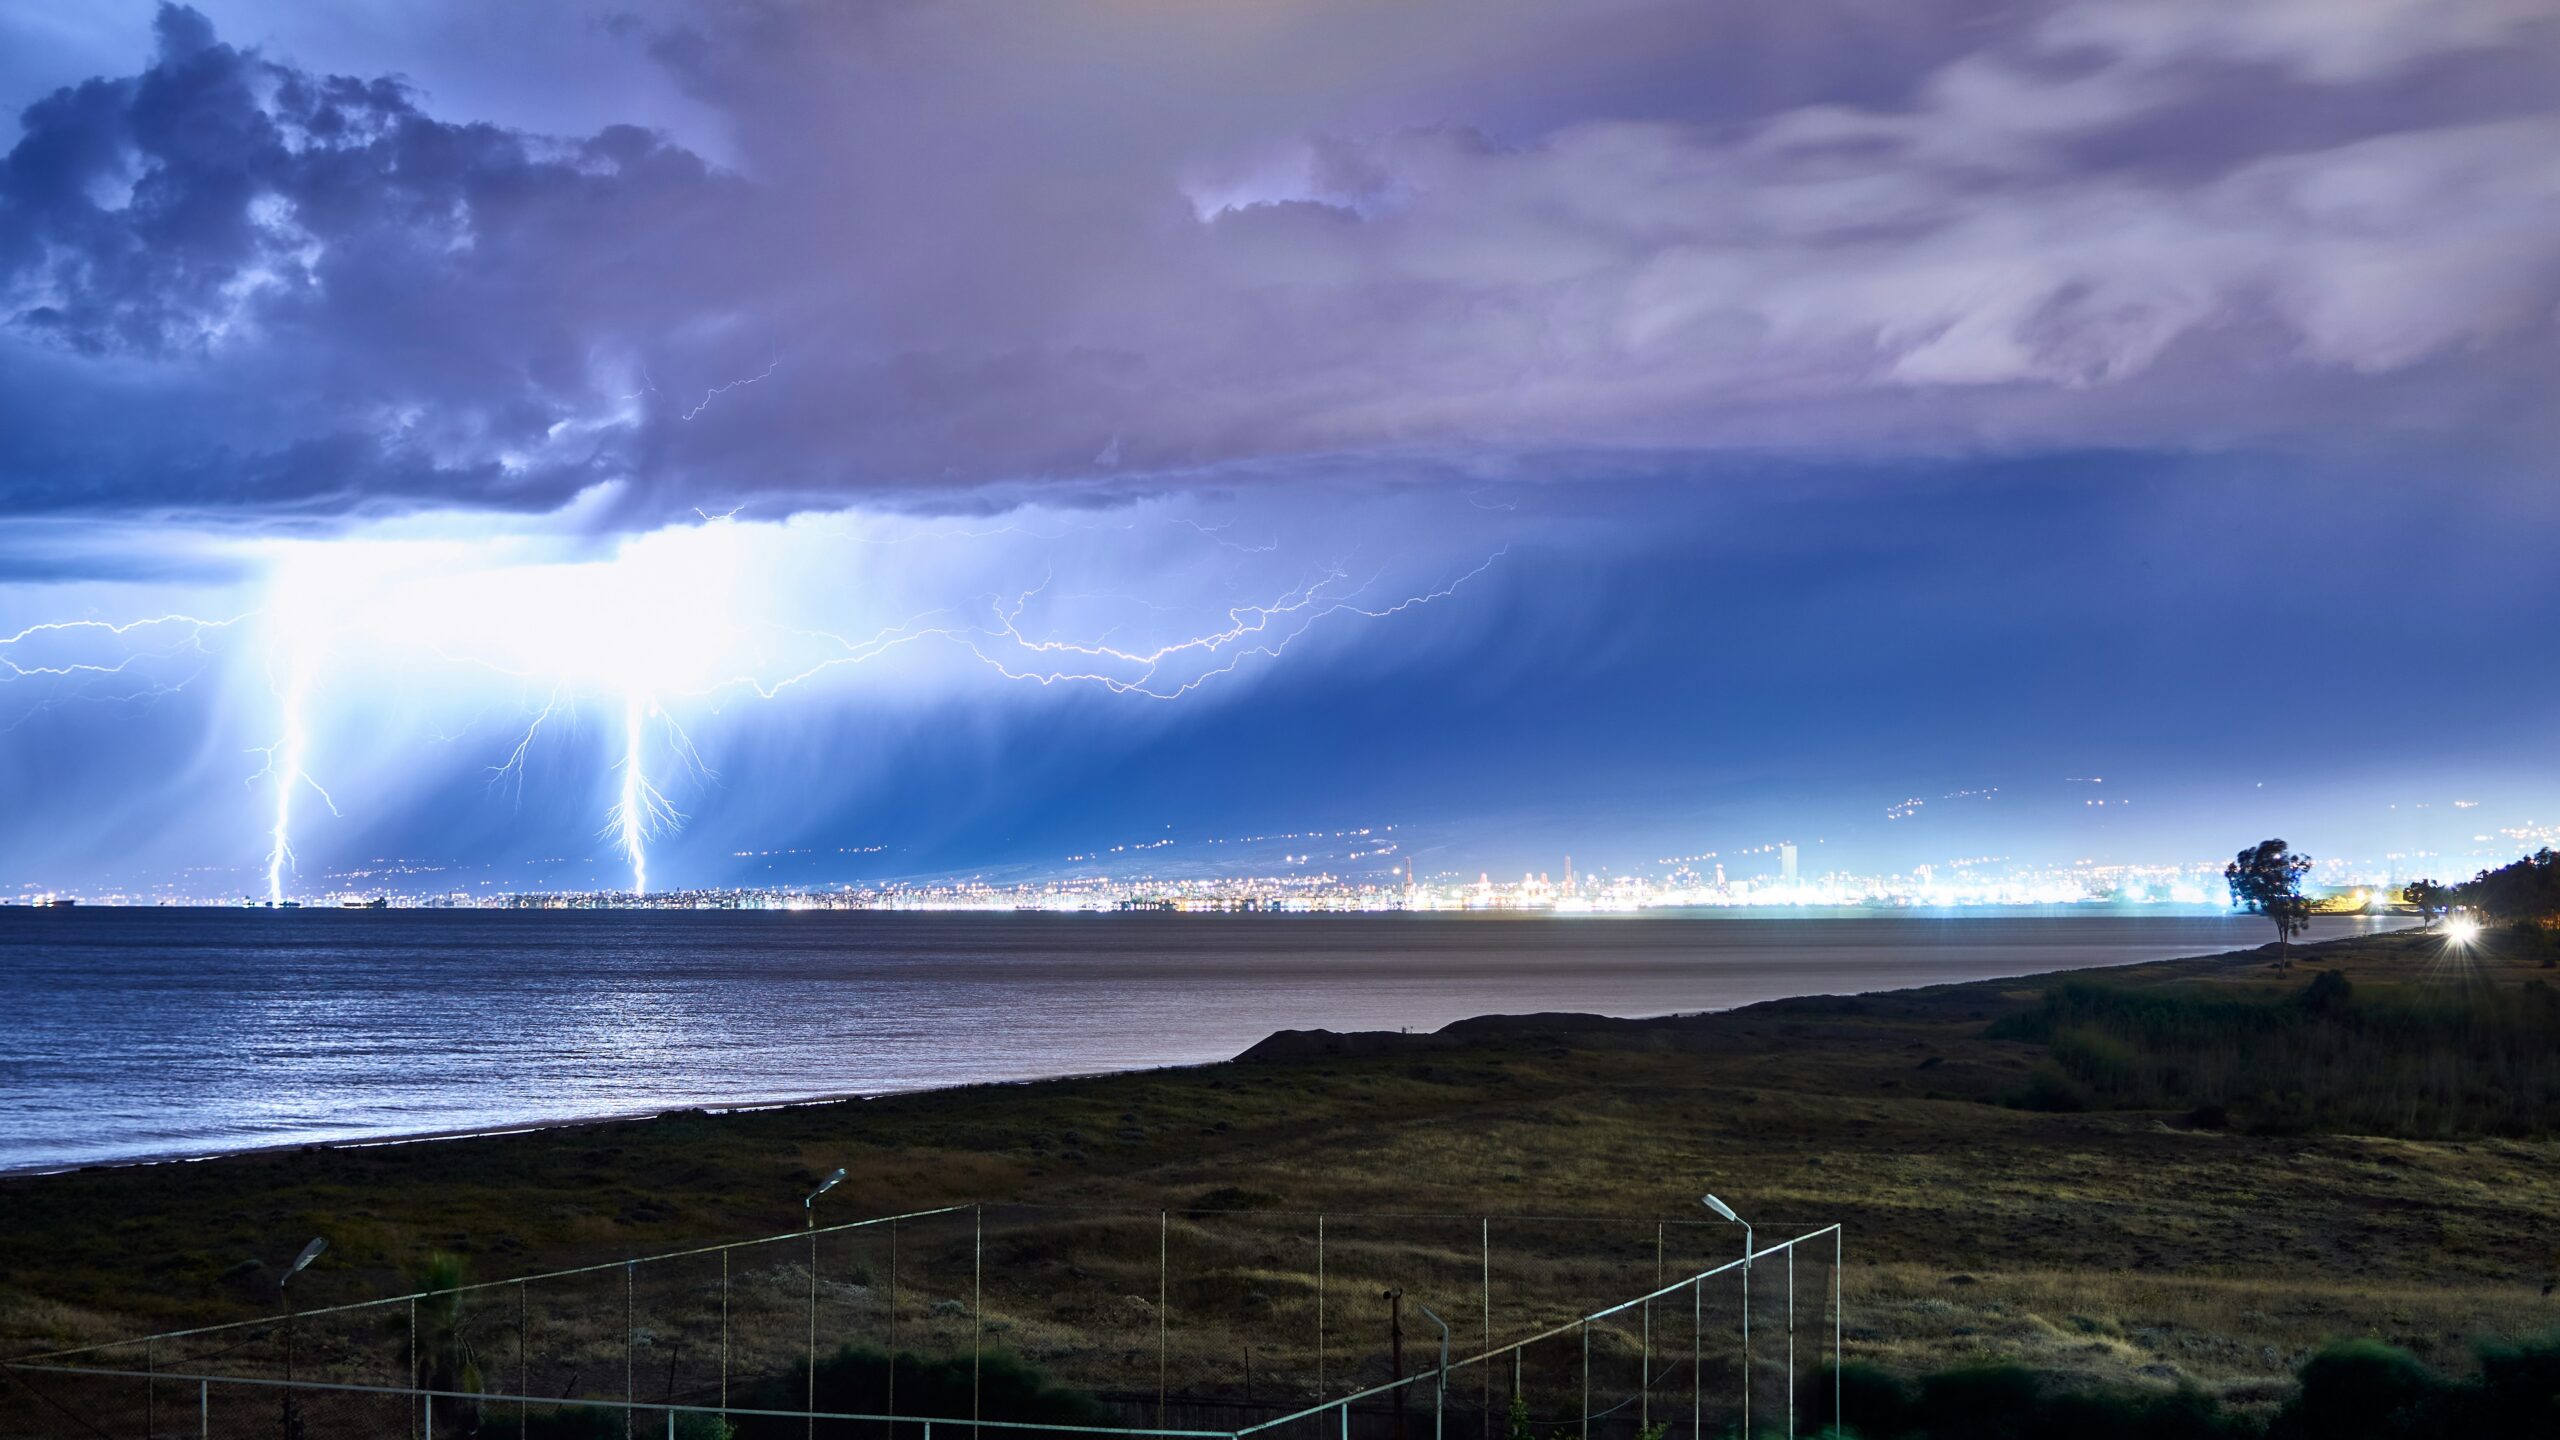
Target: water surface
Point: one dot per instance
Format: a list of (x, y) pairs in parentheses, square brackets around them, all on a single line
[(129, 1034)]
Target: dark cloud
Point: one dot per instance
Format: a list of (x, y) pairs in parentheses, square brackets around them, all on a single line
[(316, 292), (956, 246)]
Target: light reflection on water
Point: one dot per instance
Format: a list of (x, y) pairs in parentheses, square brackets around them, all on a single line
[(141, 1033)]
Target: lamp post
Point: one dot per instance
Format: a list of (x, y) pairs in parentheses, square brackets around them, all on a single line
[(1440, 1382), (809, 1218), (1394, 1297), (300, 1263), (1748, 1249)]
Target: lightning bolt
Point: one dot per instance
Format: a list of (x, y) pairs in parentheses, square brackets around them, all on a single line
[(286, 768), (643, 812), (1252, 630), (37, 653), (513, 767), (320, 608), (716, 391)]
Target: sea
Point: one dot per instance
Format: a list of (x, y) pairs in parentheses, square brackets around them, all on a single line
[(157, 1034)]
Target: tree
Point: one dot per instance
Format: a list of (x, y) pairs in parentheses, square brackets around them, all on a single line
[(2428, 898), (2526, 892), (2266, 879)]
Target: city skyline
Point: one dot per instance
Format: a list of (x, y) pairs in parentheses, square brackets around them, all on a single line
[(1365, 863)]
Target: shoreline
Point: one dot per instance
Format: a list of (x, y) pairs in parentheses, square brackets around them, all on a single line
[(2198, 1245), (1278, 1044)]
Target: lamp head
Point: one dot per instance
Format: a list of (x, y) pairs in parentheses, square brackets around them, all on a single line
[(826, 1185), (303, 1261), (1720, 1208)]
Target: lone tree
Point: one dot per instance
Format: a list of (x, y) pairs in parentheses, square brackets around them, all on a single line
[(2428, 898), (2266, 879)]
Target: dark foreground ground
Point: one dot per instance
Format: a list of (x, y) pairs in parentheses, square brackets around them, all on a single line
[(2192, 1193)]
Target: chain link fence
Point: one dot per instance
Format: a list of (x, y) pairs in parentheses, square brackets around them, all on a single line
[(1207, 1321)]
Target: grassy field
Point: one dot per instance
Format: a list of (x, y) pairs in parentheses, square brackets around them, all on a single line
[(2100, 1189)]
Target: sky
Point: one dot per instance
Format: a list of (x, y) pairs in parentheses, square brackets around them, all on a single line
[(683, 443)]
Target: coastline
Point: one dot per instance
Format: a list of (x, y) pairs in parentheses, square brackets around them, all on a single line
[(1273, 1045), (2216, 1255)]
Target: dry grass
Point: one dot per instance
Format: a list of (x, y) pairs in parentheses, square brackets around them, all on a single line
[(2117, 1245)]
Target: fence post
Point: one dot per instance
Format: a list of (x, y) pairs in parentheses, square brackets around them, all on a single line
[(813, 1329), (204, 1410), (1645, 1409), (893, 1328), (429, 1426), (150, 1387), (724, 1334), (631, 1339), (977, 1310), (1585, 1327), (1440, 1393), (1747, 1248), (1838, 1421), (1320, 1306), (524, 1367), (413, 1349), (1697, 1359), (1164, 1243), (1487, 1242)]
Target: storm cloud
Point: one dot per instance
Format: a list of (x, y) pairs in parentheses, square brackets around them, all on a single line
[(914, 429), (928, 254)]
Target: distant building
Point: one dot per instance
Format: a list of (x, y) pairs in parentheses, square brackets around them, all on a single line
[(1787, 863)]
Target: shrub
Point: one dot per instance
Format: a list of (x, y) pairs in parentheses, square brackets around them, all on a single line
[(2327, 1058), (2047, 1091), (2013, 1402), (2355, 1390)]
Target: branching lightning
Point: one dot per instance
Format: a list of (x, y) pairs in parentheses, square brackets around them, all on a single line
[(287, 771), (557, 702), (59, 651), (1252, 630), (189, 631), (692, 617), (716, 391), (643, 812)]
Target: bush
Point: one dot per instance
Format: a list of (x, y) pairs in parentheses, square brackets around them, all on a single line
[(2047, 1091), (2012, 1402), (2326, 1058), (2364, 1387), (2355, 1390)]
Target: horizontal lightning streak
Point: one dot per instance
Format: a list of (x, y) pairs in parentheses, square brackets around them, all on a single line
[(996, 637)]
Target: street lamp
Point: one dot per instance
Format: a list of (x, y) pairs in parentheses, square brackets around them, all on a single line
[(300, 1263), (809, 1215), (809, 1205), (1440, 1382), (1749, 1246)]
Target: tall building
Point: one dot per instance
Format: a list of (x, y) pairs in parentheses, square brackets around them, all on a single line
[(1787, 863)]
